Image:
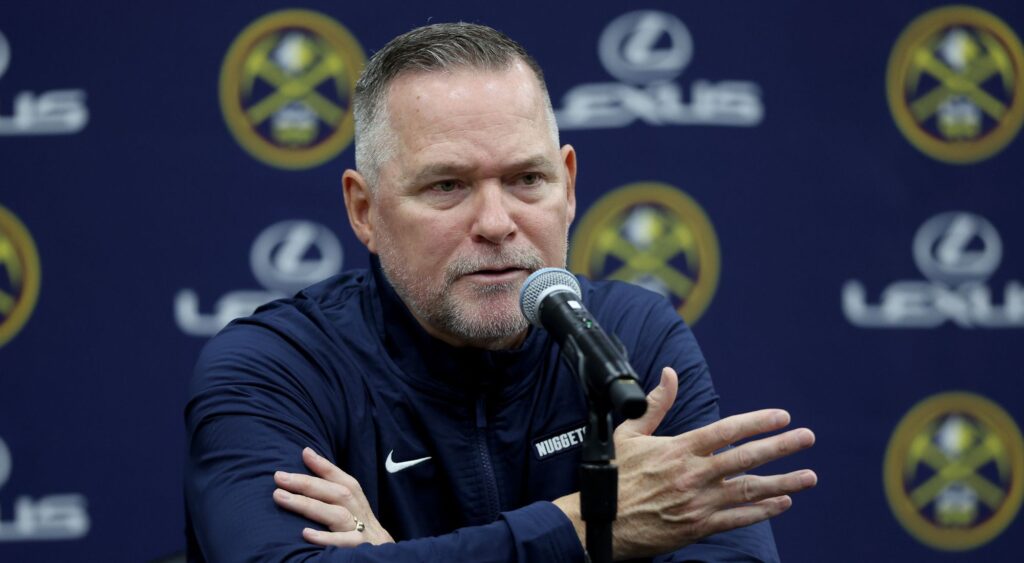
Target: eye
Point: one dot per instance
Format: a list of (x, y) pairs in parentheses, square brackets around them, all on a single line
[(446, 186), (530, 179)]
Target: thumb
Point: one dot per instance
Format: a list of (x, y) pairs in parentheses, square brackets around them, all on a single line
[(659, 400)]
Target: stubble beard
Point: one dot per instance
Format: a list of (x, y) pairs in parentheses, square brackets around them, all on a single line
[(487, 317)]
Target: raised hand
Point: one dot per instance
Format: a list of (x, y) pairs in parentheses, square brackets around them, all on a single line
[(334, 499), (674, 491)]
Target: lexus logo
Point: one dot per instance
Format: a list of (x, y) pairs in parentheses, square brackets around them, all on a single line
[(5, 54), (5, 463), (957, 247), (645, 46), (291, 255)]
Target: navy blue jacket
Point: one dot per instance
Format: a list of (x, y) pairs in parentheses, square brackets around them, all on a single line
[(344, 368)]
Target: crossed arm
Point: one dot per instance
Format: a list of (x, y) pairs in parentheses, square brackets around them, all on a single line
[(673, 491)]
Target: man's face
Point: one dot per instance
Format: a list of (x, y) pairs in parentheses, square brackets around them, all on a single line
[(476, 196)]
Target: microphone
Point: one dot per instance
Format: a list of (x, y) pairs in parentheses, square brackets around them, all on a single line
[(551, 299)]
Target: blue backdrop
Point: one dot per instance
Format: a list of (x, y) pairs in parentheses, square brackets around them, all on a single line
[(829, 192)]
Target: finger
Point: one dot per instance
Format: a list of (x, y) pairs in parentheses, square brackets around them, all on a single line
[(314, 487), (752, 454), (336, 518), (324, 468), (745, 515), (718, 435), (338, 539), (350, 492), (659, 400), (753, 488)]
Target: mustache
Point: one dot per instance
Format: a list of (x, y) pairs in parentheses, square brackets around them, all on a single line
[(502, 259)]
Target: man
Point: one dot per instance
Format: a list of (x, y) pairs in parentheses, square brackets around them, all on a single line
[(436, 408)]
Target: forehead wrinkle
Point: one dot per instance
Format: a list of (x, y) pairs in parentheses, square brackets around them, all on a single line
[(469, 123), (490, 138), (494, 120), (422, 96)]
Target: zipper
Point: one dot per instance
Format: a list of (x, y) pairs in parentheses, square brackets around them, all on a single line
[(490, 481)]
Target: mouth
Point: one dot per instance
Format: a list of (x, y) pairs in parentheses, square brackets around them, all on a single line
[(497, 275)]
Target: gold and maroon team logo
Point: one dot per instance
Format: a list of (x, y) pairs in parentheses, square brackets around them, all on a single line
[(19, 276), (653, 235), (955, 83), (954, 471), (286, 88)]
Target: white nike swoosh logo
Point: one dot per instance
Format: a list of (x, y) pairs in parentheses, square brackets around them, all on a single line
[(394, 467)]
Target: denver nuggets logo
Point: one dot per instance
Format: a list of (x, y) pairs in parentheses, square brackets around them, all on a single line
[(655, 236), (955, 82), (286, 88), (19, 275), (954, 471)]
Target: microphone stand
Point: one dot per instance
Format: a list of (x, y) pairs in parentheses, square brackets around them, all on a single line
[(599, 477), (610, 385)]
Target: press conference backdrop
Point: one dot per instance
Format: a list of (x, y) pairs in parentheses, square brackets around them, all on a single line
[(830, 193)]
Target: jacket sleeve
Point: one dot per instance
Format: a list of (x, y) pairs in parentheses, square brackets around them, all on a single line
[(249, 415), (663, 339)]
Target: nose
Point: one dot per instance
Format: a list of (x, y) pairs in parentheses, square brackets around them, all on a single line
[(493, 222)]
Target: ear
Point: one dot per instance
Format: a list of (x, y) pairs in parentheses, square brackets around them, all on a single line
[(359, 203), (569, 161)]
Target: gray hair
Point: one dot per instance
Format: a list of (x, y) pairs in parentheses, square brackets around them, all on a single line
[(431, 48)]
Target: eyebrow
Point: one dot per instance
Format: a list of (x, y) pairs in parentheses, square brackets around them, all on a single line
[(442, 170)]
